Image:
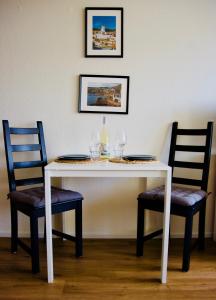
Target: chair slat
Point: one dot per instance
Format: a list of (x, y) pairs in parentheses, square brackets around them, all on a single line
[(191, 131), (188, 165), (186, 181), (29, 164), (189, 148), (14, 130), (29, 181), (22, 148)]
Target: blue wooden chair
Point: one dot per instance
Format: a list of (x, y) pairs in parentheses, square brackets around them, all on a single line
[(30, 201), (185, 202)]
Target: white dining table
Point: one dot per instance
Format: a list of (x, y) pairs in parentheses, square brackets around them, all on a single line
[(109, 170)]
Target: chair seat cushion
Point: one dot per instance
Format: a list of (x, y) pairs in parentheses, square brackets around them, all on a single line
[(179, 195), (35, 196)]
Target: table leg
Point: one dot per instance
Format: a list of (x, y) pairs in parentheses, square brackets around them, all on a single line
[(166, 222), (48, 227)]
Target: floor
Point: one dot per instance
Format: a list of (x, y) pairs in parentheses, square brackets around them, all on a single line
[(109, 269)]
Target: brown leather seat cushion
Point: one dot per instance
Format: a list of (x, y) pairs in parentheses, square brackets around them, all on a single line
[(179, 195), (35, 196)]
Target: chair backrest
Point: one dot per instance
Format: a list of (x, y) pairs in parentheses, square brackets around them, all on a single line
[(10, 149), (204, 149)]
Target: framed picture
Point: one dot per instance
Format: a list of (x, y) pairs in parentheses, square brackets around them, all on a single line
[(104, 32), (103, 94)]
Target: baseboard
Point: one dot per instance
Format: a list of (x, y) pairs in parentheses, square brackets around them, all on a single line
[(108, 236), (195, 235), (21, 234)]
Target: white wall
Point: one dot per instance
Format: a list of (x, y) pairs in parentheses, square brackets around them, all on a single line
[(169, 54)]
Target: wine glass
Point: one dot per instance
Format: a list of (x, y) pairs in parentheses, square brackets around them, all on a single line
[(94, 147), (121, 138), (120, 141), (95, 138)]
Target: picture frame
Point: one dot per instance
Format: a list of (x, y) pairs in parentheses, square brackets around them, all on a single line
[(103, 32), (103, 94)]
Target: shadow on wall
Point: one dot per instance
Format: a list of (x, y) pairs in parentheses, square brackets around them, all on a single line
[(166, 145)]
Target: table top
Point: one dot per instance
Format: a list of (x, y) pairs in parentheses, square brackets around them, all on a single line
[(107, 166)]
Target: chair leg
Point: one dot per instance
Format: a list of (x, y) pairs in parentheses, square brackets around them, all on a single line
[(78, 229), (140, 229), (187, 243), (34, 244), (201, 234), (14, 228)]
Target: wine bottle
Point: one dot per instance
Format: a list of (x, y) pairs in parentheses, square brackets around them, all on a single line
[(104, 139)]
